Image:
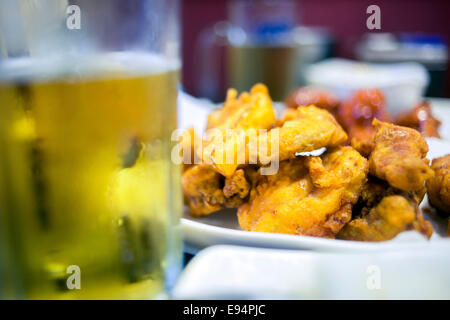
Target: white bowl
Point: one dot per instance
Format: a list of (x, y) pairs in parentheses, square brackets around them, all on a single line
[(403, 84)]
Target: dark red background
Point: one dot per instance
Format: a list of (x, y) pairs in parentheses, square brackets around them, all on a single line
[(346, 19)]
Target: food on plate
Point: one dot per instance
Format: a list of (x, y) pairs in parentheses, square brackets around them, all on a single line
[(394, 214), (369, 190), (398, 156), (439, 186), (304, 129), (206, 191), (308, 196), (357, 113), (236, 185), (249, 111), (305, 96), (376, 189), (421, 119)]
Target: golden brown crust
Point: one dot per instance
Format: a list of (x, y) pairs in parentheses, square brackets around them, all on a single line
[(439, 186), (399, 156), (306, 197), (244, 114), (237, 184), (393, 215), (206, 191), (305, 129)]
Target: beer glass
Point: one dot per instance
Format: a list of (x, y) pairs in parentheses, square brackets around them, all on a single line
[(90, 200)]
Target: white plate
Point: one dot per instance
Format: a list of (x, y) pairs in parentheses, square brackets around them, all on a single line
[(222, 227)]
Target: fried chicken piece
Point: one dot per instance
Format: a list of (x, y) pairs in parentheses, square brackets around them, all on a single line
[(377, 196), (245, 115), (356, 115), (248, 110), (306, 129), (308, 196), (439, 186), (399, 156), (206, 191), (393, 215), (375, 190), (202, 189), (306, 96), (237, 184), (421, 119)]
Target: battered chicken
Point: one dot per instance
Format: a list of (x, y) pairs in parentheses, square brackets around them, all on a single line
[(314, 196), (308, 196), (248, 110), (356, 115), (206, 191), (244, 115), (306, 96), (215, 183), (375, 190), (306, 129), (421, 118), (439, 186), (398, 156), (393, 215)]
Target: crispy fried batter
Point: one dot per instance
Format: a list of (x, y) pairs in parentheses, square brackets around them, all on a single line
[(393, 215), (375, 190), (399, 156), (439, 186), (207, 191), (305, 129), (293, 202), (237, 184), (248, 110), (244, 115), (356, 115)]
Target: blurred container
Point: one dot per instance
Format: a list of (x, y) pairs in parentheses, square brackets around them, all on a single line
[(403, 84), (261, 42), (428, 50)]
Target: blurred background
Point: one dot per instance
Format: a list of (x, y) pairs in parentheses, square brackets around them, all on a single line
[(237, 42)]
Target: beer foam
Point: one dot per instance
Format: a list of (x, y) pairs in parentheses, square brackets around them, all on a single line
[(89, 66)]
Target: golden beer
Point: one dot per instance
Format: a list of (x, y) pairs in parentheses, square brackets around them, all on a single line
[(89, 196)]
